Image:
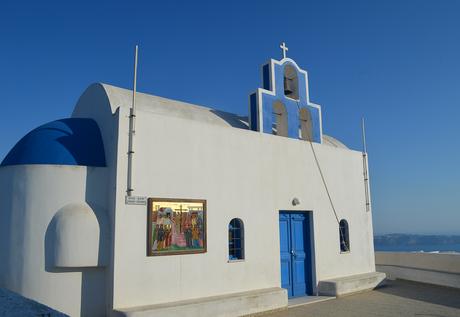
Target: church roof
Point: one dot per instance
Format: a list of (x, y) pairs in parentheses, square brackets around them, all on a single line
[(331, 141), (75, 141), (168, 107), (163, 106)]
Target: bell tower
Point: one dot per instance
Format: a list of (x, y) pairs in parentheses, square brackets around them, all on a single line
[(282, 107)]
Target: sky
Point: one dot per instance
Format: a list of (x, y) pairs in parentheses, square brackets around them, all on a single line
[(395, 63)]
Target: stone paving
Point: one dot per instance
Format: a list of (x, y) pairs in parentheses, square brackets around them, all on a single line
[(397, 298), (14, 305)]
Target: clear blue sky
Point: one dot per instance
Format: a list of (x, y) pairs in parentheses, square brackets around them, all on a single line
[(397, 63)]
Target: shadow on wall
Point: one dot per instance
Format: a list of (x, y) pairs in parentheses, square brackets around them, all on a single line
[(233, 120), (95, 281), (77, 240), (11, 222)]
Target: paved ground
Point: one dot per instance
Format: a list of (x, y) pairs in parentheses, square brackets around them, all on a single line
[(397, 298), (14, 305)]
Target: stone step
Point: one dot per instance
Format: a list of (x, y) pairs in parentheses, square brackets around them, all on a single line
[(350, 284), (235, 304)]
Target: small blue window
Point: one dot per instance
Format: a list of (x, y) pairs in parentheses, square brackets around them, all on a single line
[(344, 236), (235, 240)]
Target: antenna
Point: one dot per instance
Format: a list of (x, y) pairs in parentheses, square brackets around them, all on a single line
[(365, 169), (364, 135), (132, 130)]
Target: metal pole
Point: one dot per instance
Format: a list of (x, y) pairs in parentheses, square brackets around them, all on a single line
[(132, 130), (365, 168), (364, 135)]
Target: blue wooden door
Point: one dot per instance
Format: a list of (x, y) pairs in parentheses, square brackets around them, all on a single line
[(295, 253), (285, 249)]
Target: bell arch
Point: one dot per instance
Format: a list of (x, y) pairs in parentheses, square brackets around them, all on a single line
[(291, 82), (305, 124)]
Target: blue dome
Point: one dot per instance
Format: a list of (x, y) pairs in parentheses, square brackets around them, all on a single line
[(74, 141)]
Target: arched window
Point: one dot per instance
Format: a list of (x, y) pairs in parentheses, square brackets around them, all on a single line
[(306, 129), (235, 239), (291, 82), (279, 119), (344, 236)]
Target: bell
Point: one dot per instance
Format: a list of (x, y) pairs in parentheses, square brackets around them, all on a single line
[(288, 86)]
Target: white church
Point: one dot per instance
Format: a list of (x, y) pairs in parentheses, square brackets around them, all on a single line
[(181, 210)]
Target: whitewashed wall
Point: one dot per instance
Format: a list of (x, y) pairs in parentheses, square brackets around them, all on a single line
[(30, 196), (241, 174)]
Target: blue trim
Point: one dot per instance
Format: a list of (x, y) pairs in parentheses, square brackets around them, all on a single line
[(266, 77), (254, 112), (74, 141)]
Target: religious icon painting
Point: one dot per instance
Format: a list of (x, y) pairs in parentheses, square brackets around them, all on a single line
[(176, 226)]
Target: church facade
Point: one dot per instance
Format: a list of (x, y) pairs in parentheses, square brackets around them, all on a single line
[(229, 215)]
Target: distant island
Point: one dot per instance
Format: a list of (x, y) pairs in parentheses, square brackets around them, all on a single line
[(417, 242)]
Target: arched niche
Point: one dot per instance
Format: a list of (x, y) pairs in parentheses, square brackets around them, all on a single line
[(76, 237), (291, 82), (306, 126), (280, 119)]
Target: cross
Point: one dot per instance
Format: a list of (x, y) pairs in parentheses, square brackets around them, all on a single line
[(284, 48)]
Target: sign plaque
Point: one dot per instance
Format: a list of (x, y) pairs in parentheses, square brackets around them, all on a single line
[(136, 200)]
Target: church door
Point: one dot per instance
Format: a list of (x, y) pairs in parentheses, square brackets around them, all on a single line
[(295, 248)]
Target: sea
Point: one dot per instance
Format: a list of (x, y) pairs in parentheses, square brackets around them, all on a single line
[(433, 248)]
